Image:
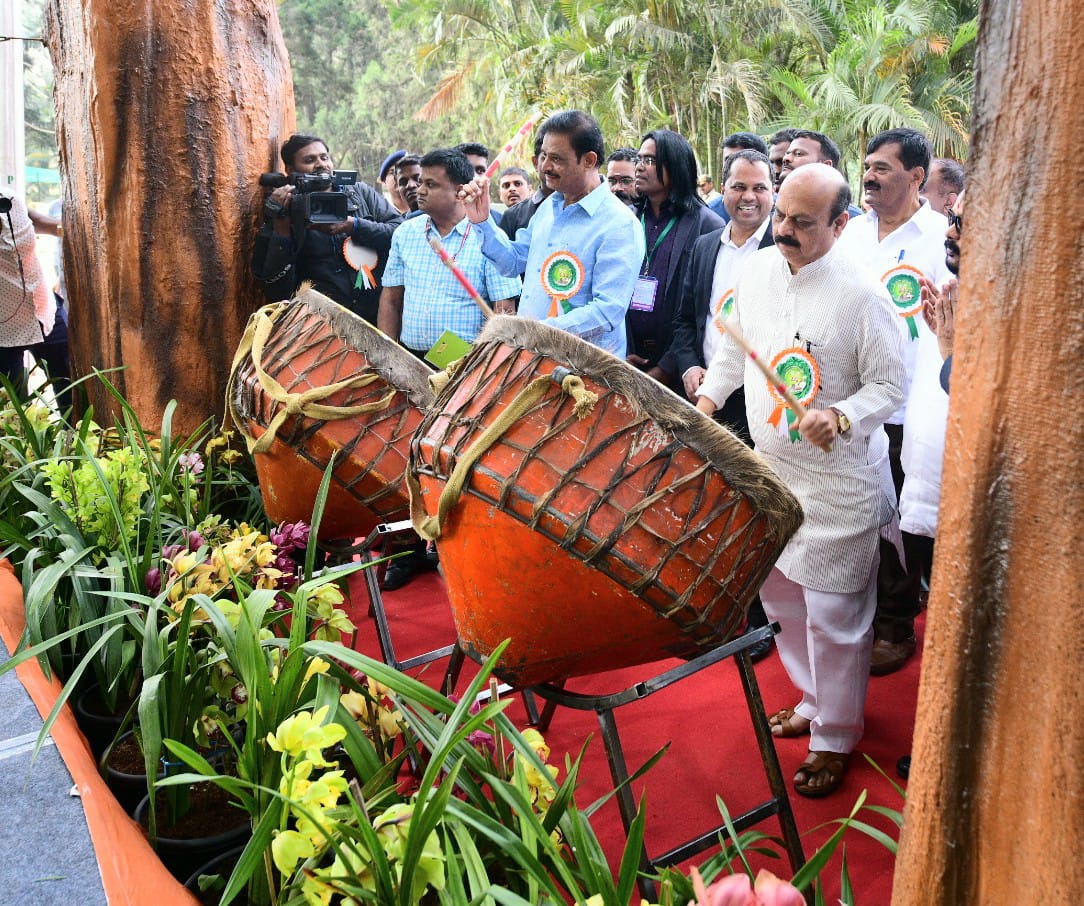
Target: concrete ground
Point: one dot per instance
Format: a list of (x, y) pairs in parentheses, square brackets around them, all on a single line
[(48, 859)]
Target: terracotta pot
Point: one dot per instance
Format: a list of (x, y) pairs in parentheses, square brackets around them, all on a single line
[(210, 828), (593, 535)]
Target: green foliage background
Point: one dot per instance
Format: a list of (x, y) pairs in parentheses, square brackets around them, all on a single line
[(474, 67), (364, 69)]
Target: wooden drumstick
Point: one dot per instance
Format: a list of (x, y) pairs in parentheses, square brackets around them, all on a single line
[(461, 277), (784, 391), (502, 155)]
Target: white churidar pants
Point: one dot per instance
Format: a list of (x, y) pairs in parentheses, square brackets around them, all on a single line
[(825, 642)]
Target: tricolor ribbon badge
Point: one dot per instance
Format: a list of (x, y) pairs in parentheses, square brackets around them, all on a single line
[(798, 370), (905, 289), (363, 260), (562, 276), (724, 308)]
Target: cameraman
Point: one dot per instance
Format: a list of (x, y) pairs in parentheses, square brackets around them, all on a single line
[(287, 253)]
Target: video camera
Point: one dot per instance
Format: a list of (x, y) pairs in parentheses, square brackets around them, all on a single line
[(318, 197)]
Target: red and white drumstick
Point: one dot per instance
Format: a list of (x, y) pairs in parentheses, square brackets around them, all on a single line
[(502, 155), (461, 277), (784, 391)]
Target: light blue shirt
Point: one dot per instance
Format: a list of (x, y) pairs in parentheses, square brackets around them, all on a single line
[(433, 300), (604, 235)]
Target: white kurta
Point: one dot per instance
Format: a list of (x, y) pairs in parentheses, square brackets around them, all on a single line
[(844, 319), (919, 243), (924, 442)]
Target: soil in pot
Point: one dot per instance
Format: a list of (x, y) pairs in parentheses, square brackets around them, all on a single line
[(211, 826), (99, 725), (125, 771)]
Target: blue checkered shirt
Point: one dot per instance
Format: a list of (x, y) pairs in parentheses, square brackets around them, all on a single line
[(433, 300)]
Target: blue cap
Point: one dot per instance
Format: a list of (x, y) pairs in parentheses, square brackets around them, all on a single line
[(390, 161)]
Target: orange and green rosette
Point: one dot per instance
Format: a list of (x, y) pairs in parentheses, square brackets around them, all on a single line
[(724, 308), (798, 370), (905, 290), (562, 276)]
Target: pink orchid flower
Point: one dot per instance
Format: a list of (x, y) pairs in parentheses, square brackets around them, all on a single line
[(736, 890)]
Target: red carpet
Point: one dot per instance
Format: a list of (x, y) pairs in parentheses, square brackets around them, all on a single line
[(713, 750)]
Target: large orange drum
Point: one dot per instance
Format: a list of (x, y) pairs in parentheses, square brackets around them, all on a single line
[(312, 380), (585, 512)]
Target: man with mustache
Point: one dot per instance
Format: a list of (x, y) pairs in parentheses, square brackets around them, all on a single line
[(827, 328), (581, 252), (901, 239), (287, 254), (621, 174), (408, 177), (732, 144), (515, 185), (778, 145)]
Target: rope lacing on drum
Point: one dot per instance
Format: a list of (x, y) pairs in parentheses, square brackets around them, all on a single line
[(430, 527), (293, 405)]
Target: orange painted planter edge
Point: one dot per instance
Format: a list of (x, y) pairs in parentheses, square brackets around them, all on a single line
[(131, 871)]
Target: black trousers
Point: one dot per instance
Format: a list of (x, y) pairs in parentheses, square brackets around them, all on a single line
[(898, 589)]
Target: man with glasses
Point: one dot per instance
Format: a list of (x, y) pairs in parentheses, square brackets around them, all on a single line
[(621, 174), (900, 239), (828, 326), (673, 217)]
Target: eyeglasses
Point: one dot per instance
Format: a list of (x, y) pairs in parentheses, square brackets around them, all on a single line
[(620, 180), (955, 221), (648, 160)]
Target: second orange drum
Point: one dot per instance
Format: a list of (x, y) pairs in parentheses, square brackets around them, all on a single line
[(593, 536)]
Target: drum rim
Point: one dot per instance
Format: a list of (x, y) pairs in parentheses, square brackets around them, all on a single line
[(389, 359)]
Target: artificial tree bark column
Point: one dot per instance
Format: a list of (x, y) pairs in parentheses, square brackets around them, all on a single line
[(995, 810), (167, 113)]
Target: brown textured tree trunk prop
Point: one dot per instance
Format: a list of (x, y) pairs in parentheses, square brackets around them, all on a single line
[(167, 113), (995, 810)]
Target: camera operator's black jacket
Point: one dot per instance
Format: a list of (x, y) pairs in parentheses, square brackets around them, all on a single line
[(282, 264)]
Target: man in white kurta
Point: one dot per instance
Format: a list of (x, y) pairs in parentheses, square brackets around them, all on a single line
[(901, 239), (830, 329)]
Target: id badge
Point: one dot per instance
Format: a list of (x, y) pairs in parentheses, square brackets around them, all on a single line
[(643, 296)]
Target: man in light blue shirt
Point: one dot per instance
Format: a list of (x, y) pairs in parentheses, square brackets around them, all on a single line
[(582, 251), (421, 297)]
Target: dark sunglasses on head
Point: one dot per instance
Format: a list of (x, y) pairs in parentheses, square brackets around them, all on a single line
[(955, 221)]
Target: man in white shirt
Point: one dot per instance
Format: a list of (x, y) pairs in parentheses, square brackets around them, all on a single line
[(901, 240), (715, 264), (716, 261), (827, 329)]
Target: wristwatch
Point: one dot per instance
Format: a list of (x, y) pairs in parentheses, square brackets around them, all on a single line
[(843, 424)]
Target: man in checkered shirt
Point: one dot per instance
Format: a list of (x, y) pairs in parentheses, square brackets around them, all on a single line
[(421, 297)]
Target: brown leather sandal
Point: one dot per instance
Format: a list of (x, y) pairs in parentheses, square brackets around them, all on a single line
[(787, 724), (820, 774)]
